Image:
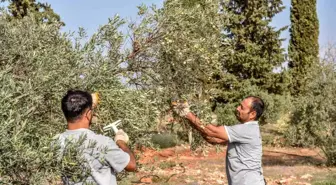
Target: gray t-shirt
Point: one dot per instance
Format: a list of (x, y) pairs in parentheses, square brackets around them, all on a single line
[(105, 158), (244, 152)]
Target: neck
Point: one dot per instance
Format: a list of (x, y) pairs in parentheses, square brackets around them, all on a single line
[(249, 121), (78, 125)]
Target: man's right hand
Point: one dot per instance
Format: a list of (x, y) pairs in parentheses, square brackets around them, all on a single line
[(121, 135)]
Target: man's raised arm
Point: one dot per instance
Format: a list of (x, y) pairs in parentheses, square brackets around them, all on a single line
[(211, 133)]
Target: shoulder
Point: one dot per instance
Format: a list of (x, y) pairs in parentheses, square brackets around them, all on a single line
[(244, 125), (98, 137), (236, 126), (101, 139), (245, 129)]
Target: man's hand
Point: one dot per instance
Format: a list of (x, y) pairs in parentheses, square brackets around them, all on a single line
[(121, 135), (181, 108)]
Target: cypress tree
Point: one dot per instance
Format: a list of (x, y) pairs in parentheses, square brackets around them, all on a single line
[(303, 46)]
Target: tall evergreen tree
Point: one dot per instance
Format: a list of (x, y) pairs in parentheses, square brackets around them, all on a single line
[(255, 47), (303, 46)]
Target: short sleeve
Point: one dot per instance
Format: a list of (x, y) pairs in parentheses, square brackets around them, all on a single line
[(238, 133), (117, 158)]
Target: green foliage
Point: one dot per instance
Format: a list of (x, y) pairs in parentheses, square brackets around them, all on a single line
[(176, 49), (70, 162), (330, 180), (313, 119), (42, 12), (136, 109), (192, 50), (164, 140), (252, 49), (188, 49), (226, 114), (38, 66), (276, 106), (326, 183), (34, 62), (303, 47), (168, 164)]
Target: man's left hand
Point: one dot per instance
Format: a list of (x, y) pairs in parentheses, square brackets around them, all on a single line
[(182, 109), (121, 135)]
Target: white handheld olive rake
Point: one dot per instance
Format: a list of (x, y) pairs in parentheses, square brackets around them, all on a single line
[(112, 126)]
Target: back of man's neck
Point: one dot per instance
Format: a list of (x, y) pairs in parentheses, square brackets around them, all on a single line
[(77, 125), (250, 121)]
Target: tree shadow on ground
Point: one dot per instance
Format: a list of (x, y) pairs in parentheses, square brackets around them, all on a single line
[(273, 158)]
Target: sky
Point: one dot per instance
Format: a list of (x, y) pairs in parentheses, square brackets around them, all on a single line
[(84, 13), (89, 15), (326, 10)]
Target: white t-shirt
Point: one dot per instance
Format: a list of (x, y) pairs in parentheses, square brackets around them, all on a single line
[(105, 158)]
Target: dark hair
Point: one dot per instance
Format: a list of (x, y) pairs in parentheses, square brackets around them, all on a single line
[(74, 103), (257, 105)]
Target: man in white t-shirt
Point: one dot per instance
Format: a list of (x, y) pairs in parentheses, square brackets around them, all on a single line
[(244, 152), (106, 157)]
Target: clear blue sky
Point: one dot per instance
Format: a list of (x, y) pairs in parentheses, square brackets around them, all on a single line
[(89, 14), (326, 10)]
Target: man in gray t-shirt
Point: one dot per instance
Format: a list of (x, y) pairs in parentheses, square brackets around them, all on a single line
[(244, 152), (103, 156)]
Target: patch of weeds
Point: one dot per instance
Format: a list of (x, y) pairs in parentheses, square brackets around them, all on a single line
[(167, 164), (161, 180), (219, 149), (191, 180), (126, 180), (326, 183), (329, 180), (156, 159)]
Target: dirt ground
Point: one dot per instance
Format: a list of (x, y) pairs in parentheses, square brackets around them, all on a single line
[(181, 166)]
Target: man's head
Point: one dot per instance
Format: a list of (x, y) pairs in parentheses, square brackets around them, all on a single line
[(250, 109), (77, 106)]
